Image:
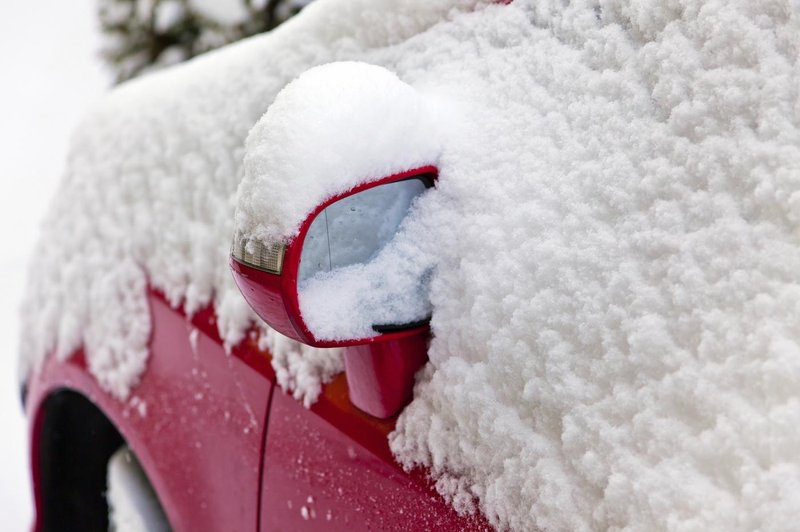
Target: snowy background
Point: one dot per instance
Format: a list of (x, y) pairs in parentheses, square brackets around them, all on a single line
[(50, 75)]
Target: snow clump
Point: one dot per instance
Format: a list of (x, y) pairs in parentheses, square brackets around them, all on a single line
[(334, 127), (616, 300)]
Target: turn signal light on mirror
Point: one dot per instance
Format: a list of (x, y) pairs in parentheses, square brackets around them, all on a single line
[(267, 258)]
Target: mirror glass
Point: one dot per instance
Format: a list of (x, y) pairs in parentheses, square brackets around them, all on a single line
[(360, 274), (355, 229)]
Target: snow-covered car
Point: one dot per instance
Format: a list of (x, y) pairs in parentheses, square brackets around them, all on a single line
[(570, 227)]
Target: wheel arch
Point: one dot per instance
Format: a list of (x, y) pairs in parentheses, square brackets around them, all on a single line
[(74, 443), (195, 420), (72, 440)]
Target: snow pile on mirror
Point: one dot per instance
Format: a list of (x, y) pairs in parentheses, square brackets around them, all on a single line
[(334, 127), (148, 195)]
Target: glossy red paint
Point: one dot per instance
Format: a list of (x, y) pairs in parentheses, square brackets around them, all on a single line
[(381, 375), (201, 439), (265, 293), (195, 421), (275, 297), (332, 470)]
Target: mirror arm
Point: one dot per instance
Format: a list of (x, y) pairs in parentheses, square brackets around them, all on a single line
[(380, 375)]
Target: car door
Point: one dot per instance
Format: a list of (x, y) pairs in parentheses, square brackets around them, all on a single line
[(329, 467)]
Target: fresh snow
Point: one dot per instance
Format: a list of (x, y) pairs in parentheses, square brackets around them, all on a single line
[(334, 127), (300, 369), (133, 504), (617, 306), (148, 195), (614, 241)]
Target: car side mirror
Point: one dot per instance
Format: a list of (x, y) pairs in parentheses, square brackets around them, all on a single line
[(325, 288)]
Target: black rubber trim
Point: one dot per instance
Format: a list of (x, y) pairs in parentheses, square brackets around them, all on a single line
[(394, 327)]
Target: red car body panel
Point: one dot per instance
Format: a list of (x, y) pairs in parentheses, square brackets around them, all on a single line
[(320, 477), (201, 439)]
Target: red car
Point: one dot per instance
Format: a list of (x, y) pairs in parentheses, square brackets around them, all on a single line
[(594, 206), (206, 440)]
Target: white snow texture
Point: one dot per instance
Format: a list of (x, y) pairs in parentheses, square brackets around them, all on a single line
[(616, 292), (334, 127), (149, 193), (133, 504)]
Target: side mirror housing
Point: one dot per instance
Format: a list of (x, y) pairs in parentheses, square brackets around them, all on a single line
[(344, 232)]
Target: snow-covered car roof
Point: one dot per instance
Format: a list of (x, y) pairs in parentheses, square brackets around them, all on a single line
[(614, 232)]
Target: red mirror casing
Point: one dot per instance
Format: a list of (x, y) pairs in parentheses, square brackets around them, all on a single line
[(380, 369), (274, 297)]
